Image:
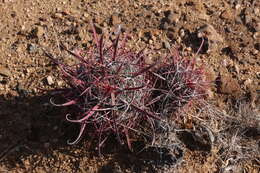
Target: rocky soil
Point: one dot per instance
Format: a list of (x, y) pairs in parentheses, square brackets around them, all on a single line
[(33, 133)]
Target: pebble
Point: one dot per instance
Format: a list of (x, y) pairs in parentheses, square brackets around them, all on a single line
[(237, 69), (26, 163), (182, 33), (32, 48), (39, 31), (189, 49), (59, 83), (248, 82), (165, 25), (238, 20), (50, 80), (204, 16), (178, 40), (227, 14), (68, 23), (258, 75), (58, 15), (256, 35), (23, 28), (115, 20), (256, 11), (248, 18), (257, 27), (229, 85), (255, 52), (86, 15), (210, 32), (173, 17), (166, 44), (237, 6), (84, 36), (2, 87), (5, 71), (74, 12), (211, 75)]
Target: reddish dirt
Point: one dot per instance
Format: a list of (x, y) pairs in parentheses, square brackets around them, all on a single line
[(33, 133)]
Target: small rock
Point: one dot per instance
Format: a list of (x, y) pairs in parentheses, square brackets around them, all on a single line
[(228, 85), (237, 6), (58, 15), (5, 71), (2, 88), (256, 11), (255, 52), (178, 40), (165, 25), (32, 48), (238, 20), (258, 75), (86, 15), (248, 82), (115, 20), (38, 32), (210, 94), (248, 18), (82, 35), (166, 44), (211, 75), (49, 80), (19, 49), (257, 27), (256, 35), (59, 83), (237, 68), (209, 32), (74, 12), (204, 16), (182, 33), (173, 18), (189, 49), (1, 79), (27, 163), (68, 23), (227, 14), (158, 46)]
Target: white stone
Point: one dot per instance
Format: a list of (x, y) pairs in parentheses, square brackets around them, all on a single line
[(50, 80)]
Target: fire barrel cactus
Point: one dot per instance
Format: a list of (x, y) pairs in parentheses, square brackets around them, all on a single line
[(115, 92)]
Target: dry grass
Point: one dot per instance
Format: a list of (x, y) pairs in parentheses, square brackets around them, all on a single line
[(233, 136)]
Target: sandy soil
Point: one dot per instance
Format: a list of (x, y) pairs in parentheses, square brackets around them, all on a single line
[(33, 133)]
